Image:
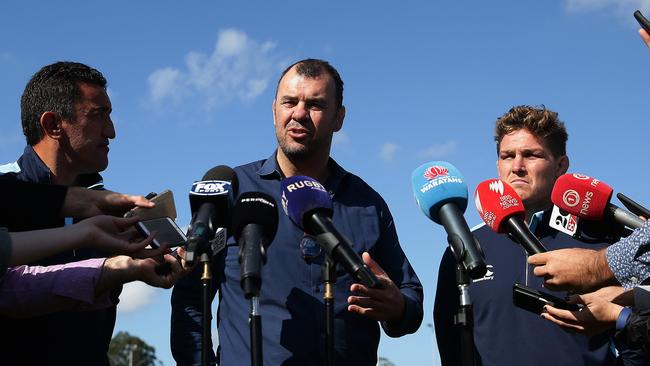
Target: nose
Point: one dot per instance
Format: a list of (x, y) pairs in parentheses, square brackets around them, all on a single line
[(109, 129), (300, 112), (518, 166)]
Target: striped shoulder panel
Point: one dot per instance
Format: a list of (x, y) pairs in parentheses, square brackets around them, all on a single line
[(477, 226), (10, 168)]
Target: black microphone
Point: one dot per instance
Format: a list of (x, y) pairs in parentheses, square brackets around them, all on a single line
[(210, 202), (309, 206), (254, 223)]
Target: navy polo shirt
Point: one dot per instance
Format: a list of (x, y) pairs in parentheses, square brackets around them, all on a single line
[(291, 301)]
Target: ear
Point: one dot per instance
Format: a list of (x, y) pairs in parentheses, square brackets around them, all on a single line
[(51, 124), (562, 165), (273, 110), (340, 116)]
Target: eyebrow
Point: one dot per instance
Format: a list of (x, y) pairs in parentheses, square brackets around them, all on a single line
[(319, 100), (526, 150)]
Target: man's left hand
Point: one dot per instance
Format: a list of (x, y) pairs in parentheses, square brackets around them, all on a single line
[(381, 304)]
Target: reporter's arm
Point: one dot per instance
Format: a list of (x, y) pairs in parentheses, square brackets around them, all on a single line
[(101, 232), (628, 258), (27, 291), (83, 202)]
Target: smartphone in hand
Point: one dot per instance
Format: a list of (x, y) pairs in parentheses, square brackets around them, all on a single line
[(534, 300), (167, 232)]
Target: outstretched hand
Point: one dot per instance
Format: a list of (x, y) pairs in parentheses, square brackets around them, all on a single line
[(381, 304)]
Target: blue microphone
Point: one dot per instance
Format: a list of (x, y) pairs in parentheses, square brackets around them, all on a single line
[(309, 206), (441, 193)]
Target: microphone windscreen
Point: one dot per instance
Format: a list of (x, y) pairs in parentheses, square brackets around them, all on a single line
[(437, 183), (302, 195), (220, 181), (581, 195), (496, 201), (255, 208), (223, 173)]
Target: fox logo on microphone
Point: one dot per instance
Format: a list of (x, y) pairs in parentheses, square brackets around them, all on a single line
[(210, 187)]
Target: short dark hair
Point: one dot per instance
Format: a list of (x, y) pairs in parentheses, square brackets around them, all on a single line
[(54, 88), (313, 68), (541, 122)]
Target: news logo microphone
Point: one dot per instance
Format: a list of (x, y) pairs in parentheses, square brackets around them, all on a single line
[(589, 198), (309, 206), (254, 225), (502, 210), (441, 193), (210, 201)]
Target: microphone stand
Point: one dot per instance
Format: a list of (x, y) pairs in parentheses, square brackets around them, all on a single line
[(255, 322), (464, 317), (206, 278), (205, 251), (329, 279)]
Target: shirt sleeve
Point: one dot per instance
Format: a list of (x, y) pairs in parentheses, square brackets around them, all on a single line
[(389, 255), (27, 291), (629, 259), (16, 197)]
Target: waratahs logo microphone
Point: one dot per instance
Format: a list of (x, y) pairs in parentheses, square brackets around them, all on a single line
[(436, 171)]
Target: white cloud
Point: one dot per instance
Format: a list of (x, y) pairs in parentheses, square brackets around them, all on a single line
[(238, 68), (340, 138), (163, 82), (438, 151), (388, 150), (135, 295), (624, 7)]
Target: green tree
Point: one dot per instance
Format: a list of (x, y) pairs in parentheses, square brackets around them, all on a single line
[(384, 362), (128, 350)]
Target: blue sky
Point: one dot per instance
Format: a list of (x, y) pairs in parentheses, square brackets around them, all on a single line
[(192, 84)]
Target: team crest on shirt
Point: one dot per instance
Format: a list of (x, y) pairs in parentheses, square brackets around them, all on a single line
[(489, 274)]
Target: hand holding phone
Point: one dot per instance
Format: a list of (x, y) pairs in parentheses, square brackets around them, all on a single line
[(167, 232), (534, 301)]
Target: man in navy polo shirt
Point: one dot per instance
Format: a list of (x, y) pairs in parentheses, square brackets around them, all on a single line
[(307, 110), (531, 155)]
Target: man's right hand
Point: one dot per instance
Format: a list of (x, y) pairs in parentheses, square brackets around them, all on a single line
[(575, 269), (82, 202), (114, 235), (123, 269)]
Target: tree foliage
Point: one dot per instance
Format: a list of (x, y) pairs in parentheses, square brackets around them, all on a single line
[(128, 350)]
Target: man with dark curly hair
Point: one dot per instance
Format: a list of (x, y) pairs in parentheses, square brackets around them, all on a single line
[(531, 155)]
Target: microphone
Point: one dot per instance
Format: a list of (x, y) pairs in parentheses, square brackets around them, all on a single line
[(254, 224), (501, 209), (441, 193), (589, 198), (210, 202), (309, 206)]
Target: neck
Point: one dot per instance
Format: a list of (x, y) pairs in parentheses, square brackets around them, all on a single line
[(50, 156), (533, 209), (315, 167)]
